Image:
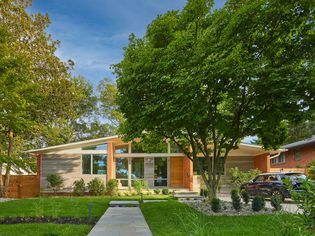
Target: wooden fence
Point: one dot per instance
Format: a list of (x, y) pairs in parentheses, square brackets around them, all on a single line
[(23, 186)]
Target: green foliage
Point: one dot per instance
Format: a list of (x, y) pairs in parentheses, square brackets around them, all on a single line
[(204, 192), (112, 187), (165, 191), (240, 177), (55, 181), (245, 196), (213, 76), (157, 191), (276, 202), (96, 186), (311, 170), (216, 205), (258, 203), (305, 200), (139, 185), (79, 187), (236, 200)]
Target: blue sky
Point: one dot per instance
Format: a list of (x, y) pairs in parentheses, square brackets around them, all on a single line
[(93, 33)]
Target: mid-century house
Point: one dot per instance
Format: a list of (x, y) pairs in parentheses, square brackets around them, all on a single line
[(110, 157), (297, 155)]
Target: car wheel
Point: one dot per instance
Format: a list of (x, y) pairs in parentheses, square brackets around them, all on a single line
[(277, 193)]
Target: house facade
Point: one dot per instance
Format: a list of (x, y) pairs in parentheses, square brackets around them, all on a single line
[(297, 155), (111, 158)]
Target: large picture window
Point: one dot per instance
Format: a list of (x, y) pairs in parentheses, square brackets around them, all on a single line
[(160, 171), (95, 164), (278, 160), (137, 168), (122, 170)]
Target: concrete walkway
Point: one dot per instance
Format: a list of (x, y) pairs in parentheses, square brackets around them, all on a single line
[(121, 221)]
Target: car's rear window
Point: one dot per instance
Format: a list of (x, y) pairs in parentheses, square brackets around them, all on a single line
[(295, 176)]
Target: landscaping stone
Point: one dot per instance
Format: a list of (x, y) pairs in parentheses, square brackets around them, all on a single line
[(44, 219), (6, 199), (124, 204), (227, 208)]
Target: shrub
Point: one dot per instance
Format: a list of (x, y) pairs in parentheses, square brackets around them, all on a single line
[(305, 201), (204, 192), (165, 191), (112, 187), (276, 202), (55, 181), (216, 205), (245, 196), (311, 170), (79, 187), (139, 185), (96, 186), (236, 200), (240, 177), (258, 203), (157, 191)]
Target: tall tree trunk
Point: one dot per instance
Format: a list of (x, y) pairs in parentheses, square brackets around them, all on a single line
[(9, 163), (1, 167)]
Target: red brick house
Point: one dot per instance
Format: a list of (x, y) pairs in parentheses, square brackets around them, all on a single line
[(297, 155)]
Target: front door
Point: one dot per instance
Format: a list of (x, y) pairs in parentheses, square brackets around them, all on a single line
[(176, 172)]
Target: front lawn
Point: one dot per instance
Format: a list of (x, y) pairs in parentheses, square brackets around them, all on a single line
[(56, 207), (175, 218)]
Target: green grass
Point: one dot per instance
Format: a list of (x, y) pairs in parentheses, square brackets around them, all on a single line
[(56, 207), (62, 206), (174, 218), (44, 230)]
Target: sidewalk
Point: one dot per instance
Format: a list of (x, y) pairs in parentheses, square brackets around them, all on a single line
[(121, 221)]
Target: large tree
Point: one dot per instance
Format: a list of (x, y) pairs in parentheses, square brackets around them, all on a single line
[(33, 84), (206, 78)]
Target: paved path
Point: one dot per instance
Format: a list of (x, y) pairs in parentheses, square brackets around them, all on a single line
[(121, 221)]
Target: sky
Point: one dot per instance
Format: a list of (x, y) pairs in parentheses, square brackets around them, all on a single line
[(94, 32)]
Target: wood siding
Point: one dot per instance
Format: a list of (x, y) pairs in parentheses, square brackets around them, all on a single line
[(176, 172), (68, 166)]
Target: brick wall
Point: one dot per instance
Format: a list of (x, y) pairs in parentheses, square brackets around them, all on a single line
[(262, 162), (307, 156)]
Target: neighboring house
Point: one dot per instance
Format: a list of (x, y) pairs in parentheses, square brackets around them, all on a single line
[(297, 155), (111, 158)]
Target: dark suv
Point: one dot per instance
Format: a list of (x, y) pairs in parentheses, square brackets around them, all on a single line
[(271, 184)]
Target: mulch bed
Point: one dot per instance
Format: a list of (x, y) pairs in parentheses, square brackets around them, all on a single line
[(45, 219)]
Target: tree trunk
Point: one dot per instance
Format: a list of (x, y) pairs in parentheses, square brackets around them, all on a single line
[(9, 163)]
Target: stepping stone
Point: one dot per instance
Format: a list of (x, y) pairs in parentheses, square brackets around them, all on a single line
[(124, 204)]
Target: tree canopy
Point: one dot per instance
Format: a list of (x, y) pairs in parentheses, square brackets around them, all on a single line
[(203, 77)]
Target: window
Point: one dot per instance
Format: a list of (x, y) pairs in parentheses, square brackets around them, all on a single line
[(97, 147), (86, 164), (204, 164), (122, 149), (297, 155), (122, 170), (160, 171), (175, 148), (95, 164), (137, 169), (278, 160), (148, 147)]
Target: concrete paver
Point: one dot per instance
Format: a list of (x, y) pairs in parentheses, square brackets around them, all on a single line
[(121, 221)]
